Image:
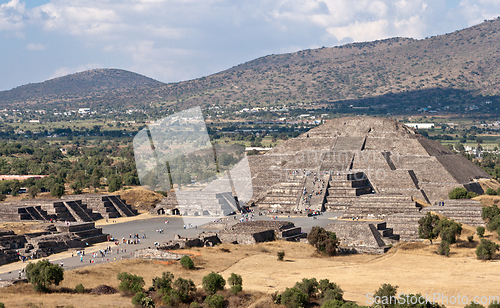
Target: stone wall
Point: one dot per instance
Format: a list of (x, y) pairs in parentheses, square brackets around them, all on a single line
[(359, 236)]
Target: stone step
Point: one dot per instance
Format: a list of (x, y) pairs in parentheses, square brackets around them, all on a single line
[(350, 184), (291, 232), (296, 237)]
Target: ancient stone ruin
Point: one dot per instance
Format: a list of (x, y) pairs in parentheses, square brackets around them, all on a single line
[(365, 168), (75, 208), (53, 239), (251, 232)]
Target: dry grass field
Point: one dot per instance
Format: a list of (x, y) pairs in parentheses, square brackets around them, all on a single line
[(414, 267)]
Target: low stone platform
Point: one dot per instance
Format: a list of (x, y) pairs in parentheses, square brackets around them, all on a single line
[(56, 238), (363, 236), (157, 254), (251, 232)]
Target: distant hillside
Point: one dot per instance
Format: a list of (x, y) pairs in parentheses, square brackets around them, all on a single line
[(399, 73), (89, 86), (447, 69)]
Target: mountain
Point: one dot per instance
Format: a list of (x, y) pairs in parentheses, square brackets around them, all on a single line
[(91, 86), (446, 71)]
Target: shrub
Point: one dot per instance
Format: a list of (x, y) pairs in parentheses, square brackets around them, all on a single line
[(164, 282), (137, 299), (281, 255), (183, 290), (486, 250), (448, 230), (140, 299), (427, 226), (80, 288), (494, 224), (494, 304), (470, 238), (237, 288), (490, 212), (473, 305), (194, 305), (387, 292), (212, 283), (325, 241), (444, 248), (332, 303), (480, 231), (215, 301), (458, 193), (235, 279), (57, 190), (471, 195), (187, 262), (330, 290), (43, 273), (307, 286), (491, 192), (130, 283), (293, 298)]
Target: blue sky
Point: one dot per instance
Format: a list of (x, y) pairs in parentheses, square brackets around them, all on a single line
[(175, 40)]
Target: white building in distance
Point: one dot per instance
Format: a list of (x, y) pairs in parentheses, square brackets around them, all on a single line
[(420, 125)]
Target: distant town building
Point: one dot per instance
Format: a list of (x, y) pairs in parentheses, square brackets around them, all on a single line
[(83, 110), (420, 125)]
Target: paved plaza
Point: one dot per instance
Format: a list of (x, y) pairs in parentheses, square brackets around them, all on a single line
[(149, 227)]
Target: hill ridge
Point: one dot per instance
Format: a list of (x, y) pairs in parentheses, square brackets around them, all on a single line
[(447, 69)]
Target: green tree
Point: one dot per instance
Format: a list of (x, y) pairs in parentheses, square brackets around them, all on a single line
[(215, 301), (458, 193), (427, 226), (236, 289), (491, 192), (294, 298), (33, 192), (444, 248), (332, 303), (130, 283), (57, 190), (213, 282), (235, 279), (308, 286), (486, 250), (183, 290), (448, 230), (330, 290), (325, 241), (114, 183), (187, 262), (43, 273), (387, 295), (142, 300), (164, 282), (480, 231)]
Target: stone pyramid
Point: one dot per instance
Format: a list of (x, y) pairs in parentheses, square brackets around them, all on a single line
[(360, 156)]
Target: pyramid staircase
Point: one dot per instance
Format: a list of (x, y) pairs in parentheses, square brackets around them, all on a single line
[(284, 195)]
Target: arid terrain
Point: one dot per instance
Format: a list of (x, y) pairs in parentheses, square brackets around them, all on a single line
[(414, 267)]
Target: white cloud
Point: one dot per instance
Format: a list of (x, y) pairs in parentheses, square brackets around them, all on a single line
[(476, 11), (11, 15), (35, 47), (173, 40)]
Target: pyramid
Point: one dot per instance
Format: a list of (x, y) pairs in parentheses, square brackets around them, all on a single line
[(358, 160)]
